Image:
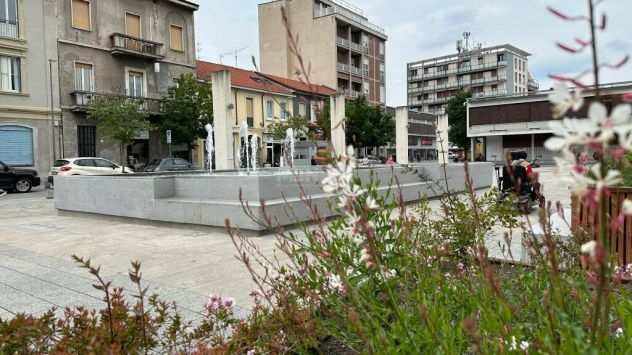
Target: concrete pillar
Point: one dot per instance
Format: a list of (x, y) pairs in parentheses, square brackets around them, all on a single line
[(443, 126), (401, 135), (338, 114), (223, 107)]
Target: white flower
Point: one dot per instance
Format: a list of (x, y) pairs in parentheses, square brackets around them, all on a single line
[(513, 346), (609, 125), (589, 248), (564, 100), (524, 345), (371, 203), (627, 207), (612, 178), (618, 333), (569, 132), (250, 352)]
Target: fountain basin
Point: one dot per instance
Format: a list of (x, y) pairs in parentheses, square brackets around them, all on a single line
[(209, 200)]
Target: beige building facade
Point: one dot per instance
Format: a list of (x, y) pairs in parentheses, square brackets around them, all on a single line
[(26, 138), (338, 46)]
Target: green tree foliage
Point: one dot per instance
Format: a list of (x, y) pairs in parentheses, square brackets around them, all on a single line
[(457, 117), (299, 124), (187, 107), (120, 119), (367, 125), (324, 121)]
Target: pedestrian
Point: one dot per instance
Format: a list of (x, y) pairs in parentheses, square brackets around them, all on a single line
[(390, 161)]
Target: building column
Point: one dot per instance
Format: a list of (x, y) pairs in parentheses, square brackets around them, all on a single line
[(401, 135), (222, 119), (338, 115)]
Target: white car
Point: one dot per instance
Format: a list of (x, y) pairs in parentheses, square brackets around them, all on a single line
[(86, 167)]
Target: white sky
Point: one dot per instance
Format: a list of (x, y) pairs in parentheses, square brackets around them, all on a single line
[(420, 29)]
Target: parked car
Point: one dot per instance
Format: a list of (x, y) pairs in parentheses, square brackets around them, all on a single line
[(86, 166), (168, 164), (17, 179)]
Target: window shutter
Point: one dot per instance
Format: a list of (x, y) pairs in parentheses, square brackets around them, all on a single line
[(81, 14), (132, 25), (17, 145), (176, 38)]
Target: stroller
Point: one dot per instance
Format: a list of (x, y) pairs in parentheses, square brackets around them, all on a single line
[(518, 179)]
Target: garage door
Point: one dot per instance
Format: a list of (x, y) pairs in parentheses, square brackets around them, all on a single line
[(16, 145)]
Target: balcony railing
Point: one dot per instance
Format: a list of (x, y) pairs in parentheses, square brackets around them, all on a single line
[(343, 42), (350, 93), (359, 19), (83, 99), (127, 45), (343, 67), (489, 93), (356, 71), (8, 29)]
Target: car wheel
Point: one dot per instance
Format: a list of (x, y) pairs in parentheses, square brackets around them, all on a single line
[(23, 185)]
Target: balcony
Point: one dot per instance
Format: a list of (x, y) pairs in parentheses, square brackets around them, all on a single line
[(344, 68), (356, 70), (489, 93), (343, 10), (8, 29), (83, 99), (350, 93), (357, 47), (126, 45), (342, 42)]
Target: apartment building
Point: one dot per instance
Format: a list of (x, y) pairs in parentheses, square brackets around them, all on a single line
[(498, 125), (338, 46), (26, 138), (485, 72), (128, 48)]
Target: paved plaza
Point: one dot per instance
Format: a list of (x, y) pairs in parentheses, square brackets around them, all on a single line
[(181, 263)]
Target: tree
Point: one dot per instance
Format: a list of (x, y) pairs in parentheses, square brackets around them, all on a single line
[(299, 125), (367, 125), (457, 118), (120, 119), (324, 121), (187, 108)]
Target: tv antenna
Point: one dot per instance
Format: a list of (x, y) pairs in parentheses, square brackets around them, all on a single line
[(234, 53)]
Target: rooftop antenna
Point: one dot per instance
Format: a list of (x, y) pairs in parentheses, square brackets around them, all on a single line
[(234, 53), (466, 36)]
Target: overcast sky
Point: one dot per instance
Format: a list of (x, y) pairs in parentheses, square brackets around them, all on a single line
[(420, 29)]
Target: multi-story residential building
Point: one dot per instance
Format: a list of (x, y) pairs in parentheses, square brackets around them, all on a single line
[(338, 46), (485, 72), (26, 138), (422, 137), (130, 48), (499, 125)]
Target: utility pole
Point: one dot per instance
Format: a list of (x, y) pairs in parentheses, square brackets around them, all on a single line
[(235, 53)]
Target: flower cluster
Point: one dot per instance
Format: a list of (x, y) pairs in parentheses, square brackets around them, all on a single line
[(606, 134), (339, 179), (218, 303)]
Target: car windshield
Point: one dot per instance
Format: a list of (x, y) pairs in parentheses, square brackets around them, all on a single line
[(59, 163), (153, 164)]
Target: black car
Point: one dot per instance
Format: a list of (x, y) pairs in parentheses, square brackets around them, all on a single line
[(168, 164), (17, 179)]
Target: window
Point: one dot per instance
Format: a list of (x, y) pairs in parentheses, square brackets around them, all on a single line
[(85, 162), (81, 18), (176, 38), (302, 109), (250, 108), (381, 48), (283, 110), (136, 84), (102, 163), (9, 74), (87, 141), (382, 94), (413, 73), (269, 109), (501, 57), (8, 18), (84, 77)]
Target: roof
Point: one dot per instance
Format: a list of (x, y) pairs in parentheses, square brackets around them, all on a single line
[(186, 3), (241, 78), (300, 86)]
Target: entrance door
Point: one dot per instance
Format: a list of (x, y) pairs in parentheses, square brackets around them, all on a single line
[(87, 141)]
